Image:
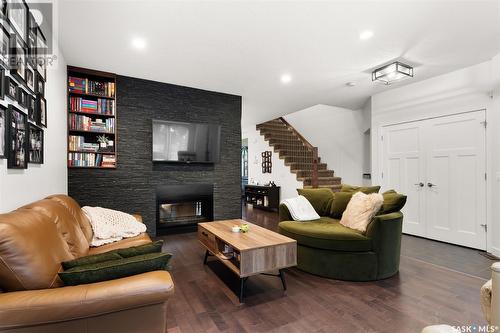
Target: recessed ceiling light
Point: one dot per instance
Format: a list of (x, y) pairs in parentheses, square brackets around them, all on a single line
[(367, 34), (286, 78), (350, 84), (139, 43)]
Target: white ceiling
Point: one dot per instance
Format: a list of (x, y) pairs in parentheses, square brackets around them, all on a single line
[(243, 47)]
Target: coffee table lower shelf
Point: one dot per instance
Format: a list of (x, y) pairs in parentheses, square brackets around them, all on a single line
[(281, 275)]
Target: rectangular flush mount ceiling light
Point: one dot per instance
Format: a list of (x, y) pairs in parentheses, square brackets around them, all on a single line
[(392, 72)]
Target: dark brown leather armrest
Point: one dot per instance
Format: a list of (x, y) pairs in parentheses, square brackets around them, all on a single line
[(34, 307)]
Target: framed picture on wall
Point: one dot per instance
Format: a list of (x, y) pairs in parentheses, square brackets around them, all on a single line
[(4, 44), (32, 116), (30, 78), (17, 139), (41, 110), (19, 55), (10, 88), (39, 84), (22, 97), (3, 131), (41, 50), (17, 14), (35, 144)]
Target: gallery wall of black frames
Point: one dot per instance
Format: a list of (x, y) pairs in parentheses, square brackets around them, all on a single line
[(23, 73)]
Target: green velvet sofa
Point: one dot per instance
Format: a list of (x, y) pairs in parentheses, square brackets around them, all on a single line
[(327, 248)]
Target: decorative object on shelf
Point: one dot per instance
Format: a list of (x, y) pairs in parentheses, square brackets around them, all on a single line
[(103, 141), (35, 144), (272, 183), (10, 88), (392, 72), (266, 162), (41, 110), (17, 140), (22, 97), (3, 131), (19, 53), (30, 78), (17, 13)]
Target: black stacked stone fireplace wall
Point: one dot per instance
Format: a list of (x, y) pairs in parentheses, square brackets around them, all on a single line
[(132, 186)]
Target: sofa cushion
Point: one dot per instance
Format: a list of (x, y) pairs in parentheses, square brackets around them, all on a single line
[(361, 210), (122, 244), (92, 259), (364, 189), (133, 251), (326, 233), (393, 202), (77, 212), (320, 198), (339, 204), (31, 251), (115, 269)]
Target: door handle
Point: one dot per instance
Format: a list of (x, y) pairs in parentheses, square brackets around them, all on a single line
[(431, 185), (419, 184)]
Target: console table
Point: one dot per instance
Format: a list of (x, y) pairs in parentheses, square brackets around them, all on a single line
[(263, 197)]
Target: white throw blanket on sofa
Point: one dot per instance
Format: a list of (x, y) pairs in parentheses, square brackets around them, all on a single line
[(301, 209), (111, 225)]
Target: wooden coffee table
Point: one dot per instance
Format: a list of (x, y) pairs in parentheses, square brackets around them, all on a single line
[(258, 251)]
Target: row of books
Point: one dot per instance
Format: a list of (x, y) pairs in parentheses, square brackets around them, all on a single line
[(84, 123), (101, 106), (91, 160), (77, 143), (86, 86)]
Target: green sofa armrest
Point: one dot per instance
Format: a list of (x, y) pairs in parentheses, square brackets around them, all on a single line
[(385, 231), (284, 213)]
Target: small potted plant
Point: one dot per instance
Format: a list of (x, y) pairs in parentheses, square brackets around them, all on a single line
[(103, 142)]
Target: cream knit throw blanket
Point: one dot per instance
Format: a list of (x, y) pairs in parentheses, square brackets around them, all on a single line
[(111, 225)]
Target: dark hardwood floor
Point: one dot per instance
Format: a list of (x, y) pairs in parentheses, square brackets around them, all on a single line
[(437, 283)]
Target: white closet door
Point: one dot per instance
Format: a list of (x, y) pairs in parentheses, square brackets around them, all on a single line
[(456, 185), (403, 170)]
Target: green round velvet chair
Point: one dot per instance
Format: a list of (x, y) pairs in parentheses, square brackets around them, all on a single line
[(327, 248)]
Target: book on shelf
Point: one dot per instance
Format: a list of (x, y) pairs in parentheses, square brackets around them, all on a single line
[(77, 143), (101, 106), (85, 123), (91, 160), (86, 86)]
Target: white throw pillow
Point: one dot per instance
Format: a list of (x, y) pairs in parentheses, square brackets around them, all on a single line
[(301, 209), (361, 209)]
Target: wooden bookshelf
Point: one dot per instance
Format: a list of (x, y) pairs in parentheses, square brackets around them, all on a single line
[(92, 113)]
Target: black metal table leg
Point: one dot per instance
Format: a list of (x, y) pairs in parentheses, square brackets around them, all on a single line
[(206, 257), (242, 288), (282, 277)]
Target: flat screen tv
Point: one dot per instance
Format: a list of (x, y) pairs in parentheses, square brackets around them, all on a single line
[(179, 142)]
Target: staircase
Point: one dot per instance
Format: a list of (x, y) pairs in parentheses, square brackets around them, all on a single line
[(298, 154)]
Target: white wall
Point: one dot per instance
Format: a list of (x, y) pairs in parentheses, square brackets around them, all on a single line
[(464, 90), (338, 134), (19, 187), (281, 174)]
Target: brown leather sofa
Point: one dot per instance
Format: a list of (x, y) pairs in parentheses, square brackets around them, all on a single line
[(34, 240)]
